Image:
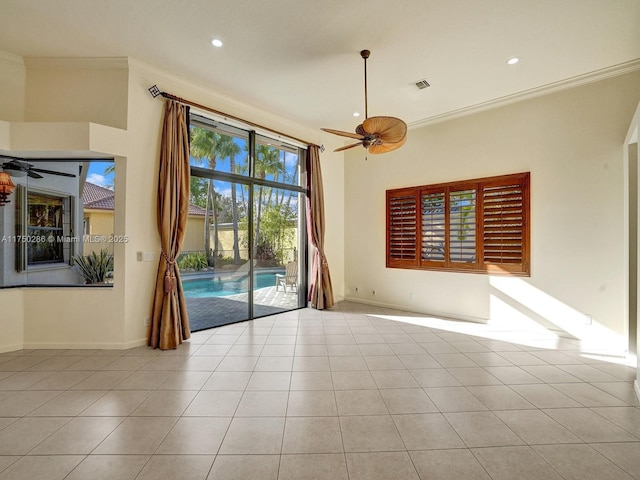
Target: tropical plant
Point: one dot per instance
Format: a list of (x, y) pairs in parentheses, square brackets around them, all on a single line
[(95, 267), (194, 260)]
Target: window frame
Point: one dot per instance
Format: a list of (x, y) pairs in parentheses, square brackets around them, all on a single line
[(403, 203)]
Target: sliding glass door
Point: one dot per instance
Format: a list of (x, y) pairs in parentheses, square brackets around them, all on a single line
[(246, 241)]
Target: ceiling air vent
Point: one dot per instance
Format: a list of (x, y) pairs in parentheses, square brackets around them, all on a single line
[(421, 84)]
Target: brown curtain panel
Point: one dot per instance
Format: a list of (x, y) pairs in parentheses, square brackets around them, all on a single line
[(169, 321), (320, 289)]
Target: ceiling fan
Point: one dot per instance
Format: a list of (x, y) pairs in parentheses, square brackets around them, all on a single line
[(20, 168), (376, 134)]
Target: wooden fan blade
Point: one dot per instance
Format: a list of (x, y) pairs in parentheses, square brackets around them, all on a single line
[(386, 147), (346, 147), (343, 134), (388, 129)]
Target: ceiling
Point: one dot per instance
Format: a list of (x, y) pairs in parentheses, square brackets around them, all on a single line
[(300, 58)]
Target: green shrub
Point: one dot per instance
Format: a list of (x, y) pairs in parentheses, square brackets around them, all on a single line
[(195, 261), (95, 266)]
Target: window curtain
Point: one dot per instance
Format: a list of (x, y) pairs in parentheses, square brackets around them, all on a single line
[(169, 321), (320, 289)]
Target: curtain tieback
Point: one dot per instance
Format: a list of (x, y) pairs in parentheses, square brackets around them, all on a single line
[(170, 283)]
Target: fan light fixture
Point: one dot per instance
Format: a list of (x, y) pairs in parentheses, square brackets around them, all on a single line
[(6, 188), (376, 134)]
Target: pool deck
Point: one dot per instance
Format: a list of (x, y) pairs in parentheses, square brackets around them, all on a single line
[(211, 312)]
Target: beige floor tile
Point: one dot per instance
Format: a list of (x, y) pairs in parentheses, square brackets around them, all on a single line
[(622, 390), (353, 380), (227, 381), (136, 436), (372, 433), (312, 435), (254, 436), (311, 364), (21, 436), (311, 381), (109, 467), (625, 417), (311, 350), (434, 377), (474, 376), (317, 403), (143, 380), (588, 395), (6, 460), (69, 403), (482, 429), (195, 436), (508, 463), (21, 380), (129, 362), (550, 373), (453, 360), (393, 379), (263, 404), (512, 375), (237, 364), (383, 362), (535, 427), (454, 399), (78, 437), (278, 350), (312, 467), (448, 464), (61, 380), (116, 403), (544, 396), (347, 364), (214, 403), (244, 467), (418, 361), (22, 403), (579, 462), (427, 432), (185, 380), (269, 381), (201, 363), (165, 403), (590, 426), (381, 466), (371, 349), (171, 467), (164, 363), (340, 350), (54, 467), (360, 402), (101, 380), (625, 455), (499, 397), (407, 400)]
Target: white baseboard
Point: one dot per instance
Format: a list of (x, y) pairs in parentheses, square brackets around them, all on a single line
[(636, 387), (11, 348), (84, 346)]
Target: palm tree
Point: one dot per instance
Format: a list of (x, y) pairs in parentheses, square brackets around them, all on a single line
[(226, 147), (267, 162), (204, 145)]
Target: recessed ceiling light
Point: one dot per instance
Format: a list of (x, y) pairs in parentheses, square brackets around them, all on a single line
[(356, 114), (216, 42), (513, 61)]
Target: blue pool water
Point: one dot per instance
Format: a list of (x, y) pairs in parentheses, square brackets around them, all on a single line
[(223, 286)]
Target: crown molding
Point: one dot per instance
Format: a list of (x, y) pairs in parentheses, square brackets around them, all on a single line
[(591, 77), (77, 62)]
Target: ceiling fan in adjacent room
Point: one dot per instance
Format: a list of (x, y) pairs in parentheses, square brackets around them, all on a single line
[(376, 134), (19, 168)]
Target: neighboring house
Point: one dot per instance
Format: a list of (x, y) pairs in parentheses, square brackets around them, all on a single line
[(99, 204)]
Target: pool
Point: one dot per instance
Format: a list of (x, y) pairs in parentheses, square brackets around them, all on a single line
[(222, 286)]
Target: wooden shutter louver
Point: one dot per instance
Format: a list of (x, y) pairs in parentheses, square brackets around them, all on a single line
[(402, 227), (474, 226), (504, 211)]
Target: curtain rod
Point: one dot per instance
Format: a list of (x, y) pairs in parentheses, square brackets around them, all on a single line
[(155, 92)]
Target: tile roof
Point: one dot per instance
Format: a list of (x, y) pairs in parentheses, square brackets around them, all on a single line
[(100, 198)]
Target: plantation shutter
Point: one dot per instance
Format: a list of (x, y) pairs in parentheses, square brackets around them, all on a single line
[(505, 206), (402, 228)]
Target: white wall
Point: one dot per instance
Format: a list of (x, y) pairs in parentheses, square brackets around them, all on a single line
[(571, 142), (113, 92)]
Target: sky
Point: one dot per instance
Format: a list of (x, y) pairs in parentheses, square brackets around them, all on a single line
[(97, 176)]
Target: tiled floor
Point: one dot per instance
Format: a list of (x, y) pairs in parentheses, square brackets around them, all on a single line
[(354, 393)]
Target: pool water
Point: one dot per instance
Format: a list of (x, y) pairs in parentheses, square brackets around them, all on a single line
[(225, 285)]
